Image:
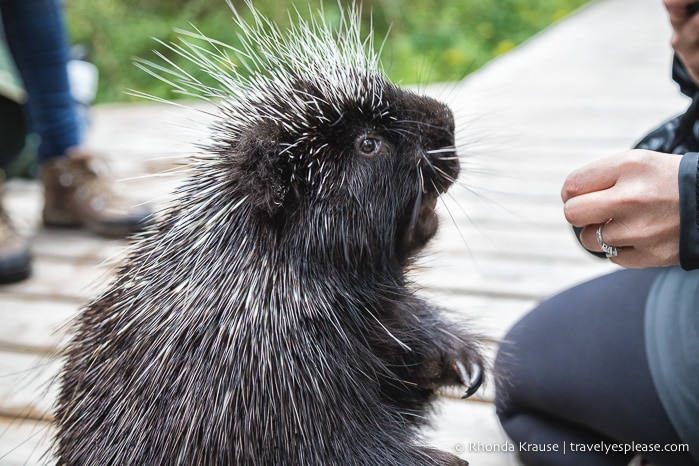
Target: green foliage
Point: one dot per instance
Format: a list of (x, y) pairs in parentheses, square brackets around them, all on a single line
[(427, 40)]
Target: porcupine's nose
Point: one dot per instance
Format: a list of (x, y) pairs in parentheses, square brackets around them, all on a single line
[(446, 167), (440, 165), (443, 155)]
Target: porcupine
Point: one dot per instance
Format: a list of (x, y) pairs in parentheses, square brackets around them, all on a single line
[(266, 318)]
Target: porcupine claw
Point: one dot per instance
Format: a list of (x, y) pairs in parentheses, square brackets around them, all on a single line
[(472, 380)]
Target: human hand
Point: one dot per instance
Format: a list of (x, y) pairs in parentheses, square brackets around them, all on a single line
[(685, 37), (638, 190)]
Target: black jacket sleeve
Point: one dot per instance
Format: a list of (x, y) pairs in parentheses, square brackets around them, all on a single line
[(689, 215)]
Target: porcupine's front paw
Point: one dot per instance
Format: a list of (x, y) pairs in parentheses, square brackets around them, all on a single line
[(453, 366), (471, 378)]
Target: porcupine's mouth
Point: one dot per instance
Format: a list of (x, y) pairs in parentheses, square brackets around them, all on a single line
[(420, 221), (427, 219), (439, 174), (420, 225)]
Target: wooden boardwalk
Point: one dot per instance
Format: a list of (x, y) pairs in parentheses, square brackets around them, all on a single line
[(586, 88)]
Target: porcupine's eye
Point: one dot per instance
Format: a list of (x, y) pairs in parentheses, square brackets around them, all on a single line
[(368, 146)]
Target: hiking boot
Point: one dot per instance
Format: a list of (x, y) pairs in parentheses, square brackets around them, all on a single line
[(15, 258), (78, 193)]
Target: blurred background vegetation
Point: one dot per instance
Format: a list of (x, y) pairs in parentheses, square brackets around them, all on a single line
[(429, 40)]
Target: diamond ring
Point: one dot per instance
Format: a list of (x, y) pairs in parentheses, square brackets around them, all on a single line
[(610, 251)]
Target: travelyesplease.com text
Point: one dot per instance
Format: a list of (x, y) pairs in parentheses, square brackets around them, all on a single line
[(571, 447)]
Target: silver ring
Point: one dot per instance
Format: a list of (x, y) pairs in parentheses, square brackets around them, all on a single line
[(610, 251)]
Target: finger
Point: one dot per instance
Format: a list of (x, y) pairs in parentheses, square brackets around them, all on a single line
[(677, 19), (685, 42), (630, 258), (678, 11), (627, 256), (590, 209), (597, 176), (588, 238), (615, 233), (685, 37)]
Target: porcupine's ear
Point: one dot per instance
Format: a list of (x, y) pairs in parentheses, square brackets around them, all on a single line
[(264, 173)]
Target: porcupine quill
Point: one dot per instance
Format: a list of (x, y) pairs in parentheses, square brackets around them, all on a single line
[(266, 318)]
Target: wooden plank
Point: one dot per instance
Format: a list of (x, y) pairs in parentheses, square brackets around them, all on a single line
[(469, 430), (484, 232), (61, 280), (33, 324), (78, 246), (505, 278), (486, 316), (24, 443), (28, 385)]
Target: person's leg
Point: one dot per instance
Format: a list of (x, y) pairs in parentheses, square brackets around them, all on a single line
[(575, 370), (37, 40), (15, 257), (76, 193)]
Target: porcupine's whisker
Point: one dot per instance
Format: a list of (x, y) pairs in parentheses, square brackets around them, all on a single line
[(438, 153), (441, 172), (449, 150), (418, 199), (42, 433), (464, 241), (441, 155), (451, 179), (465, 159), (481, 197), (436, 170)]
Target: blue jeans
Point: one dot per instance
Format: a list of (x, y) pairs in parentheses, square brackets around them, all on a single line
[(37, 39)]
